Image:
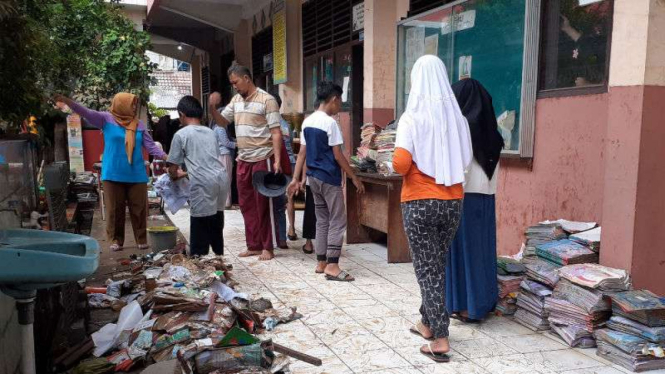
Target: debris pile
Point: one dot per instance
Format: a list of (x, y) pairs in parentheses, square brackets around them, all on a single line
[(183, 315)]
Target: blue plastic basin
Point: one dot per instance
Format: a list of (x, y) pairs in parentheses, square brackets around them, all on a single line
[(32, 259)]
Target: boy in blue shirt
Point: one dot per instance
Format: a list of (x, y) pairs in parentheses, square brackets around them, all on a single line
[(321, 149)]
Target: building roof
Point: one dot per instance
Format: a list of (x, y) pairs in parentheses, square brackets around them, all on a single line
[(169, 87)]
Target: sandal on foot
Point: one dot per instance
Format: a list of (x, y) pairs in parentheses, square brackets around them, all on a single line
[(143, 246), (115, 247), (307, 252), (293, 237), (414, 331), (343, 276), (461, 318), (436, 356)]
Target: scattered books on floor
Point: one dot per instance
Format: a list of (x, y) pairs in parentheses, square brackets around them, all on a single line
[(542, 271)]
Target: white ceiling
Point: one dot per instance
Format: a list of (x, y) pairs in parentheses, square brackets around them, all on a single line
[(223, 14)]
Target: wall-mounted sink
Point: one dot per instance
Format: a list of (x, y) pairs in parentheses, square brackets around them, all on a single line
[(32, 260)]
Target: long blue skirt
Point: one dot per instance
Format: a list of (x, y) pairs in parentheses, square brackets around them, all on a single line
[(471, 283)]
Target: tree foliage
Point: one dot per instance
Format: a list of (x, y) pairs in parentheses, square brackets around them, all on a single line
[(84, 48)]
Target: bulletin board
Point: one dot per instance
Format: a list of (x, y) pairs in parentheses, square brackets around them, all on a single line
[(495, 42)]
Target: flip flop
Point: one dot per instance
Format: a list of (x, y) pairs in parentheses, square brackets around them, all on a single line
[(436, 356), (414, 331), (461, 318), (343, 276), (306, 251)]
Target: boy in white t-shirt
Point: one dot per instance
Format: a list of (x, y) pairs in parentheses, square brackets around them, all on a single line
[(321, 149)]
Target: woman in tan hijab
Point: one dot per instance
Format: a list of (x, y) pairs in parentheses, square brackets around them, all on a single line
[(123, 170)]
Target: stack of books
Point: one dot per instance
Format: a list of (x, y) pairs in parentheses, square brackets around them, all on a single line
[(596, 276), (531, 310), (509, 285), (566, 252), (542, 233), (589, 238)]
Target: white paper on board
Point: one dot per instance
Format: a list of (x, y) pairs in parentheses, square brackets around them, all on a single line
[(345, 90)]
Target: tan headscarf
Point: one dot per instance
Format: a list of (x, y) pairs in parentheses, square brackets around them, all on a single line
[(123, 109)]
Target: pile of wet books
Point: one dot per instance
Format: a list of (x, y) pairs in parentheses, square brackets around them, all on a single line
[(596, 276), (635, 335), (575, 312), (509, 286), (566, 252), (531, 310), (630, 351), (540, 234), (589, 238), (542, 271), (642, 306)]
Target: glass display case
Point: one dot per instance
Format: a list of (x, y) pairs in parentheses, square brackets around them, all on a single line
[(495, 42), (19, 191)]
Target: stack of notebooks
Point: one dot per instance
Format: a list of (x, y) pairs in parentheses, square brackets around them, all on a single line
[(575, 312), (571, 227), (635, 335), (542, 271), (509, 285), (596, 276), (630, 351), (531, 310), (566, 252), (367, 134), (589, 238), (540, 234)]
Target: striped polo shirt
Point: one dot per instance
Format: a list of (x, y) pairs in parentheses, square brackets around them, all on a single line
[(254, 116)]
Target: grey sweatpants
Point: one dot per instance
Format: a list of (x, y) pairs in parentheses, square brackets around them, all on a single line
[(430, 227), (330, 220)]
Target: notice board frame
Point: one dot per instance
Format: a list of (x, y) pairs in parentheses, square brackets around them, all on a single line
[(529, 72)]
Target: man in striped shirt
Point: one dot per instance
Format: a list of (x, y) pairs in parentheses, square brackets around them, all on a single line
[(259, 140)]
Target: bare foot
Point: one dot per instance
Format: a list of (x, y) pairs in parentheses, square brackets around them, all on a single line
[(320, 267), (249, 253), (266, 255), (438, 346), (424, 330)]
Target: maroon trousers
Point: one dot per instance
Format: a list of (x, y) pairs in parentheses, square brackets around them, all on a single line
[(255, 207)]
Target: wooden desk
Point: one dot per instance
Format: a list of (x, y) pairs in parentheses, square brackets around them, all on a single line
[(377, 211)]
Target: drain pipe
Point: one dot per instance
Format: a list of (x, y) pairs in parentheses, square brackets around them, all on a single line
[(26, 319)]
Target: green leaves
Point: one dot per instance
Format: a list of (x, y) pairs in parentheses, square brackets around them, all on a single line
[(84, 48)]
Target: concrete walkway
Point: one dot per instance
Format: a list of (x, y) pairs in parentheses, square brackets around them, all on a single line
[(362, 326)]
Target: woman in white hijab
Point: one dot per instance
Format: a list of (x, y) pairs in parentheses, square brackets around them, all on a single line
[(433, 148)]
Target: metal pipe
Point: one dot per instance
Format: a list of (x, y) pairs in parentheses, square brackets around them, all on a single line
[(26, 318)]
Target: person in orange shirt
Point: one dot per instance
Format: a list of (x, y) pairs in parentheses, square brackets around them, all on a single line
[(433, 149)]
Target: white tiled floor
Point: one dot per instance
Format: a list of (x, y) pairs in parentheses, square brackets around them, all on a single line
[(362, 326)]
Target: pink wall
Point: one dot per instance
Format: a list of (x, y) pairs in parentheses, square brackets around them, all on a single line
[(564, 179)]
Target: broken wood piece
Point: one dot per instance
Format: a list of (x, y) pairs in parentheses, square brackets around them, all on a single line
[(295, 354)]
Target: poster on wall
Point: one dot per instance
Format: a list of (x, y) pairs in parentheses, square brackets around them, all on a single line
[(279, 43), (415, 48), (432, 45), (461, 21), (465, 64), (267, 62), (75, 143), (358, 17)]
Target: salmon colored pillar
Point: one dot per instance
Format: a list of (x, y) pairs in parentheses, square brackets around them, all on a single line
[(634, 194)]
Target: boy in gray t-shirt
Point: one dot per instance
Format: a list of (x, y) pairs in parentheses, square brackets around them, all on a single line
[(196, 146)]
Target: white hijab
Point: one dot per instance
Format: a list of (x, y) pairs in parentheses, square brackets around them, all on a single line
[(433, 128)]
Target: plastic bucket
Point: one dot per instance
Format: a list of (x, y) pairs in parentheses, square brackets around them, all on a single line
[(162, 237)]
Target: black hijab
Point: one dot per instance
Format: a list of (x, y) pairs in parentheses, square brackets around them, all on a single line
[(476, 105)]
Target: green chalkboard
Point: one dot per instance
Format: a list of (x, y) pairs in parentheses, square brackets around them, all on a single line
[(483, 39)]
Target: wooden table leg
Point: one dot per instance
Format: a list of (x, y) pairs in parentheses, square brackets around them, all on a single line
[(398, 245), (355, 232)]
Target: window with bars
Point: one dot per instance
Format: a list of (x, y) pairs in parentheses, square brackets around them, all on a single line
[(327, 24), (261, 47)]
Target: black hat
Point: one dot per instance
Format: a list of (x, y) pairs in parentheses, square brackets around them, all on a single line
[(270, 184)]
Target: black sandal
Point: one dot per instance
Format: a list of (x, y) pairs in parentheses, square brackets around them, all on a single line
[(343, 276), (306, 251), (436, 356), (293, 237), (461, 318)]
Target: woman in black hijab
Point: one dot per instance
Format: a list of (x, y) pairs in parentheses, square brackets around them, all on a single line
[(471, 283)]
